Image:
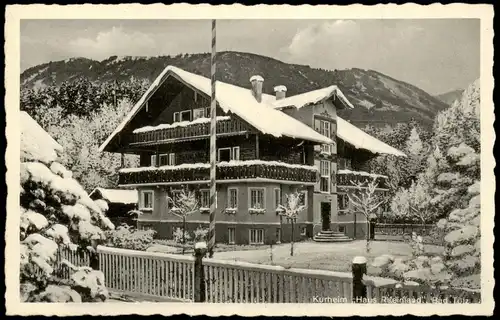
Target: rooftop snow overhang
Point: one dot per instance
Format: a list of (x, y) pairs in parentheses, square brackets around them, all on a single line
[(313, 97), (231, 99), (362, 140)]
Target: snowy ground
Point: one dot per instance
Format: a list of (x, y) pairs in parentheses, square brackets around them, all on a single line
[(325, 256)]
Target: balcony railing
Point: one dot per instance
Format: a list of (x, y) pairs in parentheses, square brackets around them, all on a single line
[(346, 177), (225, 171), (195, 129)]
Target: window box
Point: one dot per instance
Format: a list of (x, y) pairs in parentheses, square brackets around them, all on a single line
[(204, 210), (230, 211), (256, 210)]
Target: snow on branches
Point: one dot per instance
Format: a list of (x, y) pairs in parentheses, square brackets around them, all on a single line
[(55, 212)]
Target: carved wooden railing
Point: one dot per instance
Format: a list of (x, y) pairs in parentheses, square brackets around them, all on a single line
[(195, 130), (224, 172)]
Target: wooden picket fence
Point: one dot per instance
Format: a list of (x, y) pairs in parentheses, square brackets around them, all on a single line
[(171, 277)]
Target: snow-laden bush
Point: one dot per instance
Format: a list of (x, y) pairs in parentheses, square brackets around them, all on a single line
[(55, 212), (200, 234), (181, 237), (126, 237)]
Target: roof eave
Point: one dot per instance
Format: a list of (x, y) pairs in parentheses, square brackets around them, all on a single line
[(137, 107)]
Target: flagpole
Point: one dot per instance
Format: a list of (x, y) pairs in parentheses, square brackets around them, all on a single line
[(213, 159)]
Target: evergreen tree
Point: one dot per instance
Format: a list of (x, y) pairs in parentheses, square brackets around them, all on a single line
[(55, 212)]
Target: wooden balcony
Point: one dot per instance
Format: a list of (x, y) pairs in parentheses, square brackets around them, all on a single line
[(225, 172), (225, 126), (346, 177)]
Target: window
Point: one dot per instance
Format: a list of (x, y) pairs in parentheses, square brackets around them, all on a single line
[(303, 231), (341, 163), (167, 159), (278, 235), (153, 160), (277, 197), (303, 198), (146, 200), (232, 198), (256, 236), (228, 154), (342, 201), (231, 233), (205, 198), (224, 154), (257, 198), (325, 176), (324, 128), (177, 117), (342, 229), (326, 148), (236, 153), (174, 195), (198, 113), (185, 115), (344, 164)]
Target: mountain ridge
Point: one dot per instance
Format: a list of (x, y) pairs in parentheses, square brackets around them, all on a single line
[(450, 96), (378, 98)]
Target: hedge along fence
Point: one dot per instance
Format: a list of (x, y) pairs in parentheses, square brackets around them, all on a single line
[(179, 277), (401, 232)]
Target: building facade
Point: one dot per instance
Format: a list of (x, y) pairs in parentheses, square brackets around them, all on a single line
[(267, 147)]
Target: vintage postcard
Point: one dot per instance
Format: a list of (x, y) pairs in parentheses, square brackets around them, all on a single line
[(260, 160)]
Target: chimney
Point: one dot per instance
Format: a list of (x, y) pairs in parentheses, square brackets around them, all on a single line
[(257, 87), (280, 92)]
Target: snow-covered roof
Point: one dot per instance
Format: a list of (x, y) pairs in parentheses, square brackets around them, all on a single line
[(312, 97), (360, 173), (362, 140), (36, 143), (125, 196), (237, 100)]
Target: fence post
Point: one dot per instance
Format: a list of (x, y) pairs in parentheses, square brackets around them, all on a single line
[(358, 287), (93, 256), (200, 250)]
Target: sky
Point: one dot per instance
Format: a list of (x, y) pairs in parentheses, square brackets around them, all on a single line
[(435, 55)]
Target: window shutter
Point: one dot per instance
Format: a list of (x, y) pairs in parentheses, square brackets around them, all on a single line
[(317, 125)]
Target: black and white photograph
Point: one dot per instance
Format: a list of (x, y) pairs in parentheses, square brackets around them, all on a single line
[(214, 159)]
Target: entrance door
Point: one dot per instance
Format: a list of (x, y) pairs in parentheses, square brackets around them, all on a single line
[(326, 208)]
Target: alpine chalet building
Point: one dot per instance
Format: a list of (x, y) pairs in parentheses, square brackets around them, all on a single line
[(267, 146)]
